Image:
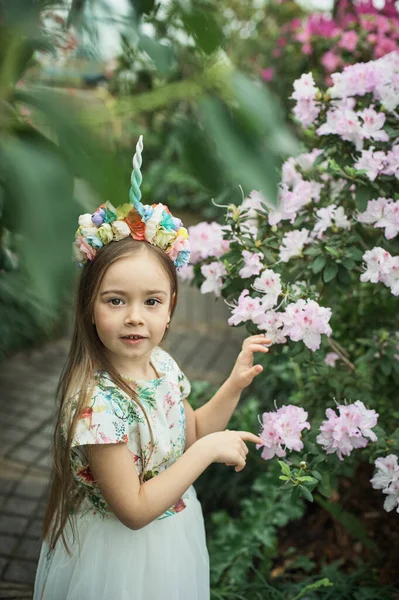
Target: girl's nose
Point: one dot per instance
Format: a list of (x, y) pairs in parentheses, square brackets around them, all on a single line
[(134, 316)]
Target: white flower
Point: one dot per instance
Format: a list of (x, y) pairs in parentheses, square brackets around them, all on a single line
[(85, 220), (213, 274), (152, 224), (120, 230), (252, 264), (293, 243), (269, 283)]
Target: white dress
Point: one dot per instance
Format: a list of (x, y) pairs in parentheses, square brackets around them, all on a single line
[(167, 559)]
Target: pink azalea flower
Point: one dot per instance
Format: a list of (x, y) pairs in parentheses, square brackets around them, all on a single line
[(330, 61), (293, 243), (252, 264), (306, 320), (390, 219), (206, 240), (373, 163), (331, 358), (247, 309), (377, 263), (269, 283), (349, 430), (213, 274), (386, 478), (373, 122), (392, 162), (282, 430), (271, 323), (330, 216), (186, 273), (374, 211), (348, 40), (267, 74)]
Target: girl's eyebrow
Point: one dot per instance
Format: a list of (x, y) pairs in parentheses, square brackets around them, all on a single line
[(117, 292), (123, 293)]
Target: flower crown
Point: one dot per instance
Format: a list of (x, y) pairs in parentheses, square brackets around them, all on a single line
[(154, 224)]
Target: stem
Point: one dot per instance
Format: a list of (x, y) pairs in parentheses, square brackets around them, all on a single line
[(335, 346)]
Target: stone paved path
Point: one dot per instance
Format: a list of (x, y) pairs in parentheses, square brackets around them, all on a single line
[(199, 340)]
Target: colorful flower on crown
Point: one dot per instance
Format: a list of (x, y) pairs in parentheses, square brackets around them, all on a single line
[(154, 224)]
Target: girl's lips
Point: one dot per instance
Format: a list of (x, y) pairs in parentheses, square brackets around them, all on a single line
[(132, 341)]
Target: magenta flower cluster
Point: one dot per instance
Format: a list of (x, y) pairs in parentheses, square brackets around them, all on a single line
[(357, 30)]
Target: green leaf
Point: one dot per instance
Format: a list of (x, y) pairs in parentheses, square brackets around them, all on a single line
[(330, 272), (162, 55), (349, 263), (306, 493), (305, 478), (332, 251), (246, 161), (284, 478), (386, 367), (319, 263), (285, 468), (325, 582), (364, 193), (201, 24)]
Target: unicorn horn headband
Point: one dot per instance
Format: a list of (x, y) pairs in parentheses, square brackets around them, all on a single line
[(154, 224)]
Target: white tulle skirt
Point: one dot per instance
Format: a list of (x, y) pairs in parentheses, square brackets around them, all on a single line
[(166, 560)]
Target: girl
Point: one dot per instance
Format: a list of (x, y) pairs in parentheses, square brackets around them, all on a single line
[(123, 521)]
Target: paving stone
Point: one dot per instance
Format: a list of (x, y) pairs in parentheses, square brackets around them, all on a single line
[(25, 454), (40, 441), (45, 462), (20, 571), (14, 434), (29, 549), (8, 544), (29, 422), (35, 528), (12, 525), (6, 485), (20, 506), (31, 488)]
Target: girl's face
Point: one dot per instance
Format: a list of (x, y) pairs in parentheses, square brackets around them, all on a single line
[(132, 309)]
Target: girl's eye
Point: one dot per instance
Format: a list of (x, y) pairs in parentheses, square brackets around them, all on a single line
[(152, 302), (115, 302)]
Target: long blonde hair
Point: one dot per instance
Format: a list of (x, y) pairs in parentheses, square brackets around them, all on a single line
[(86, 355)]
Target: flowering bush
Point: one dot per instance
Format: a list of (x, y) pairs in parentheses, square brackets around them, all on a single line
[(324, 44), (309, 270)]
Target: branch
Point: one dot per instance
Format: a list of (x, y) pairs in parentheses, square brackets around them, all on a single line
[(340, 351)]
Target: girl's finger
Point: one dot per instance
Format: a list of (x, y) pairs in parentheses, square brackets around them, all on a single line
[(244, 447), (258, 339), (250, 437), (257, 348)]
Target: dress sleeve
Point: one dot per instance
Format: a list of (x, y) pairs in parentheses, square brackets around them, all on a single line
[(184, 384), (102, 421)]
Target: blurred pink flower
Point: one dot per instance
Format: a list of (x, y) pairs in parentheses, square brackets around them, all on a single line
[(267, 74)]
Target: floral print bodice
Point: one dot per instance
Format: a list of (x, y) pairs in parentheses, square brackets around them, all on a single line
[(112, 416)]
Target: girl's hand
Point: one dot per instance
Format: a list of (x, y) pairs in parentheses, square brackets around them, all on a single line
[(228, 447), (244, 370)]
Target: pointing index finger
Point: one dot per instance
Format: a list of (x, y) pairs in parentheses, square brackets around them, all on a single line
[(250, 437)]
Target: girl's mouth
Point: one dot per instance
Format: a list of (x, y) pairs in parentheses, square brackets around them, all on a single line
[(133, 339)]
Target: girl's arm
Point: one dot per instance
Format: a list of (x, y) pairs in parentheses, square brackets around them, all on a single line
[(216, 413), (138, 505)]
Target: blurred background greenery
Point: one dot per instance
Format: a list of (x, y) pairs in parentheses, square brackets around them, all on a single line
[(72, 110)]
